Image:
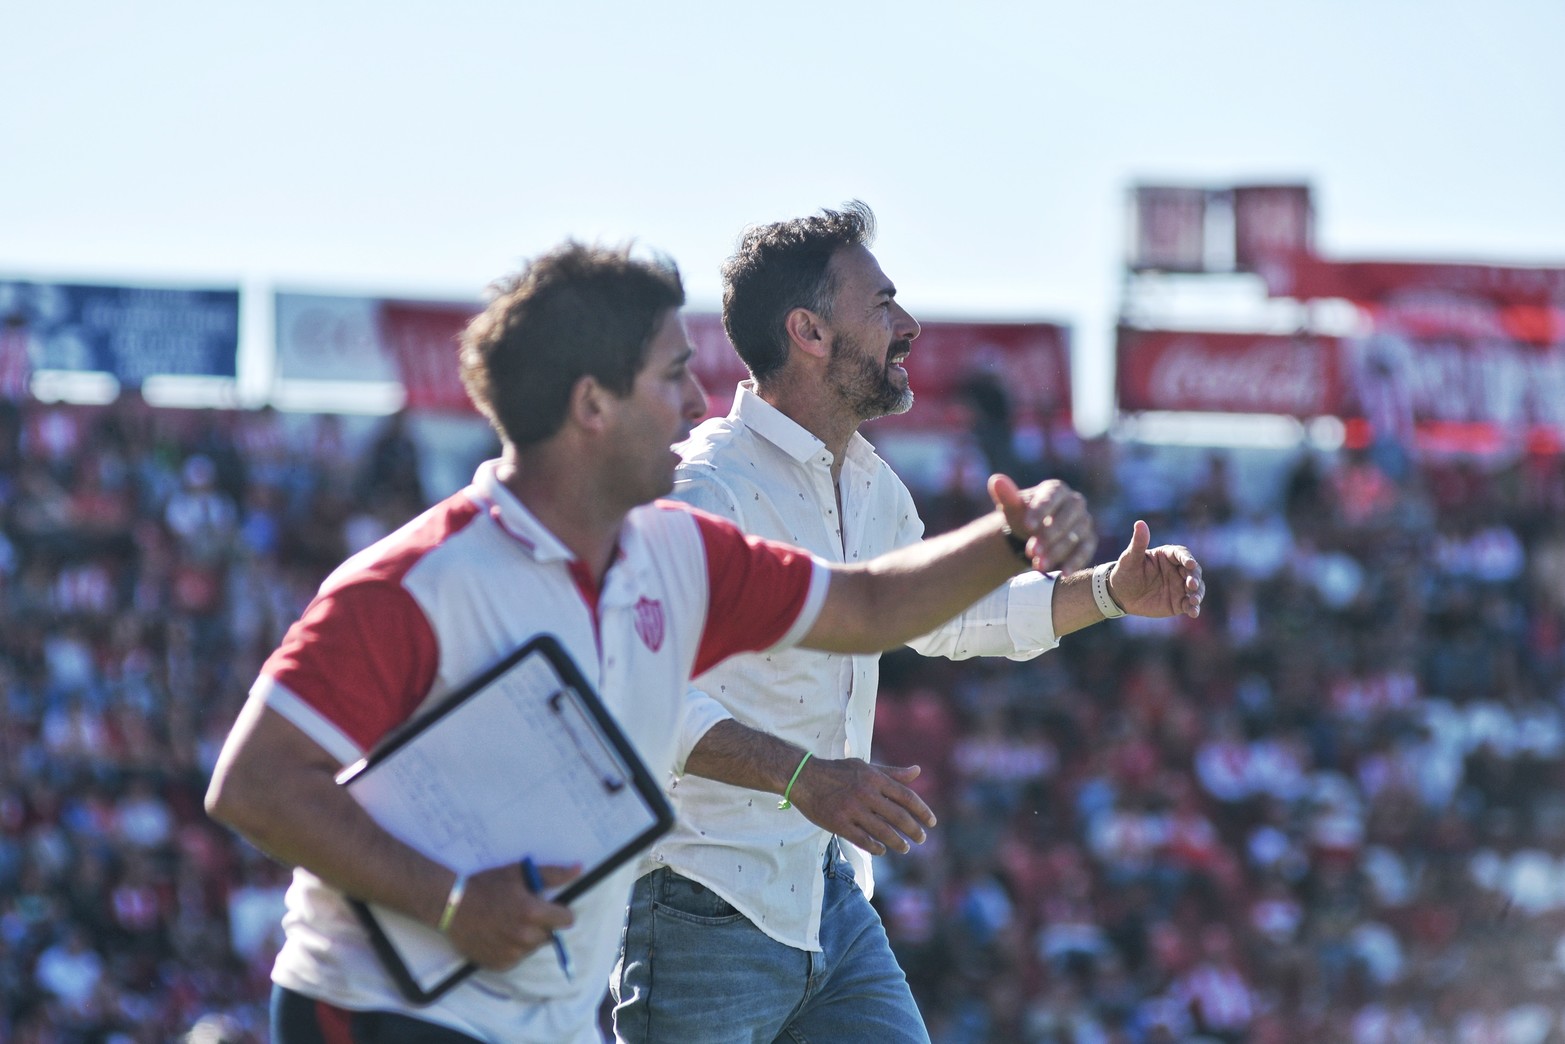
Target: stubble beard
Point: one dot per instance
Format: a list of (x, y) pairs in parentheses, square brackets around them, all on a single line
[(865, 385)]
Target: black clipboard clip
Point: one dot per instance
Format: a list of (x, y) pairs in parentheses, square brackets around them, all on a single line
[(574, 720)]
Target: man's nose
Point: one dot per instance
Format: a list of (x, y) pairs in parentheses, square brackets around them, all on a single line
[(695, 398)]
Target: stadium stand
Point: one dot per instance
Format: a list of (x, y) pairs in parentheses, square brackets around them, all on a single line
[(1328, 810)]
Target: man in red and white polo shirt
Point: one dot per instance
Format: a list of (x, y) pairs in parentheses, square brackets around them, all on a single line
[(581, 363)]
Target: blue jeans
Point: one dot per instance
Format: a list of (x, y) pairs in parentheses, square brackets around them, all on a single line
[(693, 970)]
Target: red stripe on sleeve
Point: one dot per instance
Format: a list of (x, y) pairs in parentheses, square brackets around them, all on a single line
[(363, 656), (757, 588)]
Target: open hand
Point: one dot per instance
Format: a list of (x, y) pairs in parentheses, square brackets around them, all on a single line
[(1156, 582)]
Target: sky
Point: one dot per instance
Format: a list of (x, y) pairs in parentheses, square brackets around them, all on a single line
[(424, 149)]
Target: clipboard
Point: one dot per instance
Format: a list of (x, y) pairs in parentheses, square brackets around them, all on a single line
[(522, 761)]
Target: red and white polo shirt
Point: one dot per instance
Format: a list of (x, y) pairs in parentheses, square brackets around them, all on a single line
[(412, 617)]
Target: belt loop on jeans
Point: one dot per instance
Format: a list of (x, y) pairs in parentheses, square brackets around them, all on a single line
[(833, 853)]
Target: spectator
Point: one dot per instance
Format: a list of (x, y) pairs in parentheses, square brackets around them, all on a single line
[(70, 971), (1357, 781)]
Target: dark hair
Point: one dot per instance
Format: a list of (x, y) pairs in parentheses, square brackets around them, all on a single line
[(780, 267), (574, 312)]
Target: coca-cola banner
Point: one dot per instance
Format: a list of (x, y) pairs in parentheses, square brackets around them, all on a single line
[(1169, 229), (1399, 383), (1271, 222), (1207, 371)]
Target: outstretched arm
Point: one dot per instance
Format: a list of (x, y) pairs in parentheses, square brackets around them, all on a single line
[(912, 590)]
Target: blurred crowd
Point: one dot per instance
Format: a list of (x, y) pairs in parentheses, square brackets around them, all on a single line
[(1328, 810), (1325, 811), (150, 559)]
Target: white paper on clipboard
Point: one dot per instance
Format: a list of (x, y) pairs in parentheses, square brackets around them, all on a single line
[(523, 762)]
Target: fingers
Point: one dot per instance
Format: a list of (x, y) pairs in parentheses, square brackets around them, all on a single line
[(1164, 581), (1054, 519), (1083, 547), (1064, 536), (1140, 539), (500, 921), (895, 817), (558, 876), (907, 798), (1004, 493), (1028, 513), (866, 804), (889, 827), (1195, 586)]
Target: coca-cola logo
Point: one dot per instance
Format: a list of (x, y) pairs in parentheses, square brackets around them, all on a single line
[(1276, 377)]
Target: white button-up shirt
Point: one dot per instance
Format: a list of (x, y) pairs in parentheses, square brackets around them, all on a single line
[(761, 470)]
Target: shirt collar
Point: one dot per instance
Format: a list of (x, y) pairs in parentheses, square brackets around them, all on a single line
[(784, 432), (492, 496), (521, 525)]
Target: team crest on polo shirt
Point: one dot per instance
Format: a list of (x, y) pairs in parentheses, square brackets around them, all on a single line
[(649, 622)]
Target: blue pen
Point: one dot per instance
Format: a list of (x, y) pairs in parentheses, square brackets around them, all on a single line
[(535, 883)]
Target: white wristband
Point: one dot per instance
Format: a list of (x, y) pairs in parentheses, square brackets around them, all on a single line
[(1100, 593)]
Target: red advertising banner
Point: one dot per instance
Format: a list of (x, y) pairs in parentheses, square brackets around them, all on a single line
[(1271, 222), (16, 364), (716, 362), (1170, 229), (1031, 361), (1400, 383), (421, 338), (1228, 372), (1312, 277), (1431, 314)]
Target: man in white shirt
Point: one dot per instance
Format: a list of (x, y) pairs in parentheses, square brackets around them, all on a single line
[(582, 365), (747, 924)]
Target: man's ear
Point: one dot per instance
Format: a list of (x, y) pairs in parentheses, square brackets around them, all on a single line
[(807, 333), (591, 404)]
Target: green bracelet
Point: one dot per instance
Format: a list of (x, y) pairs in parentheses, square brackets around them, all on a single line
[(785, 804)]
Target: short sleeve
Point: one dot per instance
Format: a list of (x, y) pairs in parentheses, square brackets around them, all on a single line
[(362, 657), (763, 594)]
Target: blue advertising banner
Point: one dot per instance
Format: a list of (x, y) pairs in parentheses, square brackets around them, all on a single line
[(130, 332)]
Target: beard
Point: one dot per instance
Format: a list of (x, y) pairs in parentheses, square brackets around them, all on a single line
[(871, 389)]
